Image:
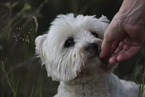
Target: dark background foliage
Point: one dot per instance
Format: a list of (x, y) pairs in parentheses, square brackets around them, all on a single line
[(21, 21)]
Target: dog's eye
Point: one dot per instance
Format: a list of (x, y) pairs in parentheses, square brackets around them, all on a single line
[(94, 34), (69, 42)]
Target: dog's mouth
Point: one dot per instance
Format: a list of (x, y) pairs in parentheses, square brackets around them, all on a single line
[(105, 66), (92, 52), (95, 64), (104, 61)]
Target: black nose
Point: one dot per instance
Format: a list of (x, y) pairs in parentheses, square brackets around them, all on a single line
[(92, 49)]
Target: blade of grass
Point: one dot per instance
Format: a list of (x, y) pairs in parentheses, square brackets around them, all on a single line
[(32, 92), (141, 87), (139, 93), (12, 87), (40, 84), (142, 84)]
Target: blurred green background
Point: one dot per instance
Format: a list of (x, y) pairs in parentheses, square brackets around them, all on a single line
[(21, 21)]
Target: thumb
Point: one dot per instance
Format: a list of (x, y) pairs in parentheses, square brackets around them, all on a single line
[(109, 38)]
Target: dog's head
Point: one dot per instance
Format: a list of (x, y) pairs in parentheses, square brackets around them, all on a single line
[(72, 45)]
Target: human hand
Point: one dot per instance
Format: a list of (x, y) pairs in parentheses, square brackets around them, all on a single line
[(122, 40)]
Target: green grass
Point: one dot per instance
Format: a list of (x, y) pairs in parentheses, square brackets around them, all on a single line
[(11, 84), (31, 83), (141, 88)]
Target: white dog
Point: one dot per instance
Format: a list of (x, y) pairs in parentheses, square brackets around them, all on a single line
[(70, 52)]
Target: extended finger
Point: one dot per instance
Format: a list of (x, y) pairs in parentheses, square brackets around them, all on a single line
[(114, 46), (128, 53), (119, 47)]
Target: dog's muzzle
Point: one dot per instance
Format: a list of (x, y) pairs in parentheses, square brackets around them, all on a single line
[(91, 50)]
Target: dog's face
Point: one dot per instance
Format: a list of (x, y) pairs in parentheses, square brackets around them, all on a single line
[(72, 45)]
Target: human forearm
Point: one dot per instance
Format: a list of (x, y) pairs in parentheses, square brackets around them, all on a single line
[(133, 11)]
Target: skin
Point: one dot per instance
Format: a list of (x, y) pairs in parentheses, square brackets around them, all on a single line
[(125, 35)]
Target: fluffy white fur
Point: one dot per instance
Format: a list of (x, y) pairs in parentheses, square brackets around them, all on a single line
[(79, 75)]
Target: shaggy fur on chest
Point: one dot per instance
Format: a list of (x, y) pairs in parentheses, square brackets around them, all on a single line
[(106, 86)]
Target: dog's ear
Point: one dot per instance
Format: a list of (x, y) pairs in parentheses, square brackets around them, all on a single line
[(104, 22), (104, 19), (39, 42)]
